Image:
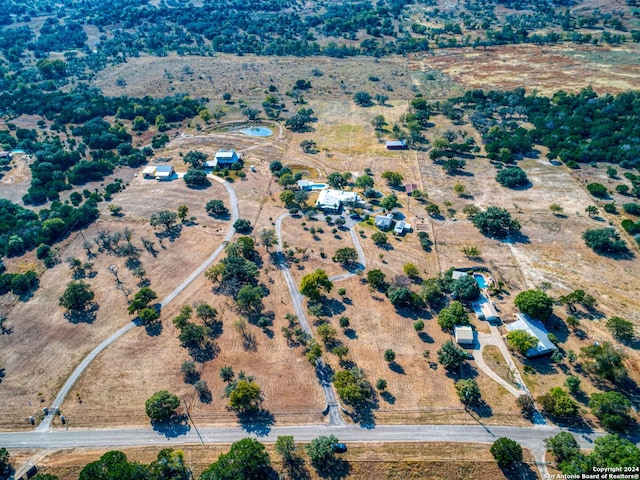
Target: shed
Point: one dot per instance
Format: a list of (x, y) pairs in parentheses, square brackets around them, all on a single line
[(164, 172), (226, 157), (489, 311), (149, 172), (410, 187), (401, 226), (463, 335), (396, 145), (535, 328), (383, 222)]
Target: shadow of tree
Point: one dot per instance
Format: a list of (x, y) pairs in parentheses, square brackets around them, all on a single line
[(396, 368), (176, 426), (153, 329), (333, 469), (171, 233), (350, 333), (425, 337), (3, 373), (297, 470), (87, 315), (204, 353), (258, 422), (388, 397)]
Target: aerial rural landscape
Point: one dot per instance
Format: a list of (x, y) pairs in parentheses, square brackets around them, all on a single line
[(311, 239)]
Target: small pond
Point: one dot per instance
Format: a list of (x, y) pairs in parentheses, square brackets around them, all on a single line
[(257, 131)]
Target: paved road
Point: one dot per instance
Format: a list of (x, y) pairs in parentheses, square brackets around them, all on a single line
[(530, 437), (296, 300), (73, 378)]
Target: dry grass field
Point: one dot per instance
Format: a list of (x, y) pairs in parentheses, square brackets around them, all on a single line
[(45, 347), (366, 461)]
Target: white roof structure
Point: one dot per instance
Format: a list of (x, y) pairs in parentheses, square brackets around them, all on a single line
[(535, 328), (149, 171), (164, 171), (463, 334), (227, 156), (456, 274), (333, 199)]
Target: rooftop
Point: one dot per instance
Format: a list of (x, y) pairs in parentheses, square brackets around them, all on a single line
[(535, 328)]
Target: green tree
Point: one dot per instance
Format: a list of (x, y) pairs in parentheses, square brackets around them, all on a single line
[(591, 210), (189, 372), (380, 239), (466, 288), (216, 208), (402, 297), (612, 409), (597, 190), (5, 464), (242, 225), (161, 405), (245, 396), (411, 270), (563, 447), (140, 124), (573, 384), (327, 333), (286, 447), (558, 403), (620, 328), (170, 465), (381, 384), (226, 374), (521, 341), (346, 256), (164, 218), (362, 99), (114, 465), (196, 178), (394, 179), (375, 278), (604, 361), (141, 300), (535, 303), (246, 460), (336, 180), (451, 356), (313, 283), (452, 315), (613, 451), (320, 451), (148, 316), (249, 299), (512, 177), (507, 452), (468, 391), (364, 181), (352, 386), (268, 237), (496, 222), (556, 209), (389, 202), (389, 355), (77, 297), (604, 240)]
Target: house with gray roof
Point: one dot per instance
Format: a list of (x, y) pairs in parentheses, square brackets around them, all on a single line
[(537, 329)]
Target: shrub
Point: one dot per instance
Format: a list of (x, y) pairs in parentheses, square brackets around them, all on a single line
[(512, 177)]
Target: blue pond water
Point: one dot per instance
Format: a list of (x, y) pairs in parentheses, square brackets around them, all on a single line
[(257, 131), (482, 282), (318, 186)]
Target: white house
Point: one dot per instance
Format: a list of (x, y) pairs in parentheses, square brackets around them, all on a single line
[(225, 158), (383, 222), (332, 200), (535, 328)]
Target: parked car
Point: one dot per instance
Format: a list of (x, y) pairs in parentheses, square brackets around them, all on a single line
[(339, 448)]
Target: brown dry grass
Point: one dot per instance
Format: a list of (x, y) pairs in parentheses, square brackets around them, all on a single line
[(367, 461)]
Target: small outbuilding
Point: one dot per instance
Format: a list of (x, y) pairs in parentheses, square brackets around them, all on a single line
[(396, 145), (410, 187), (456, 274), (463, 335), (384, 222), (535, 328)]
